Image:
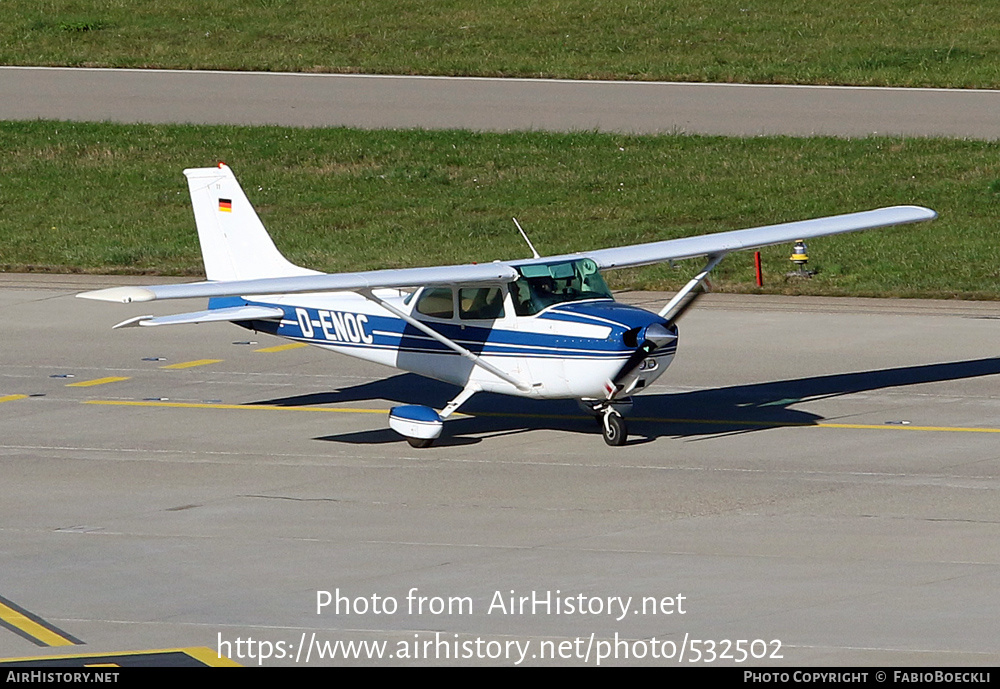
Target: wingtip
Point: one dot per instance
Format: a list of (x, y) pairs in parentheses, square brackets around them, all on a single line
[(121, 295), (920, 213)]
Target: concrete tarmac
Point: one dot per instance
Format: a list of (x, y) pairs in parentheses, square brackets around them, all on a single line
[(377, 102), (814, 478)]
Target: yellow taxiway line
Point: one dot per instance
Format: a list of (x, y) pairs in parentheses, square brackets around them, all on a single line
[(903, 427), (807, 424), (192, 364), (283, 348), (707, 422), (96, 381), (166, 657), (251, 407)]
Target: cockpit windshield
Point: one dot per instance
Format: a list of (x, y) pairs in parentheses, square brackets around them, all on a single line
[(545, 284)]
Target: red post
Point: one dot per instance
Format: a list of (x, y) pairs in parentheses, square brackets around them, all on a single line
[(756, 265)]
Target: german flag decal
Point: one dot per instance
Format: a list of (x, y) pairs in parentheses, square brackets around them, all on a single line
[(225, 205)]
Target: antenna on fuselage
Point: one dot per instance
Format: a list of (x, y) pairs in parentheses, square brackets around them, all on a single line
[(534, 254)]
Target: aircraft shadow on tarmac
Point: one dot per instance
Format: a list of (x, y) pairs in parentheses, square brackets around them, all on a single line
[(702, 413)]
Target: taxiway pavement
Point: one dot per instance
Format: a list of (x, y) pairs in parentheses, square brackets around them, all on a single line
[(818, 472)]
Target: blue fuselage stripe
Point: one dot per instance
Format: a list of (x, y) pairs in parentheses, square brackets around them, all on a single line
[(369, 331)]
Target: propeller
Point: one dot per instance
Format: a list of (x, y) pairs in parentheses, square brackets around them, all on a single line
[(648, 339)]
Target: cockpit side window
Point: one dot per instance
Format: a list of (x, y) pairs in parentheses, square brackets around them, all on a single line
[(480, 303), (436, 302), (520, 294)]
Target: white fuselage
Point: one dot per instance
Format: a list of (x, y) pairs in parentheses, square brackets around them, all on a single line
[(564, 351)]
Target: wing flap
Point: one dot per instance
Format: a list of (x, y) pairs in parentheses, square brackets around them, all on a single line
[(233, 313)]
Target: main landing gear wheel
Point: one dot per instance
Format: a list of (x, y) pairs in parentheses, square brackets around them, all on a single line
[(614, 429), (420, 442)]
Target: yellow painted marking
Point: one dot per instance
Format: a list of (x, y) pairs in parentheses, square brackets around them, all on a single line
[(210, 657), (901, 427), (765, 424), (202, 654), (283, 348), (806, 424), (34, 629), (192, 364), (707, 422), (96, 381), (11, 398), (207, 405)]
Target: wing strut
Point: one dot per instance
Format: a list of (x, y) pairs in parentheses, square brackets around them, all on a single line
[(655, 335), (451, 344), (468, 391), (674, 306)]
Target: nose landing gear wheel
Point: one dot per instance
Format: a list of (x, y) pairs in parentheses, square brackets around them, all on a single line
[(420, 442), (614, 429)]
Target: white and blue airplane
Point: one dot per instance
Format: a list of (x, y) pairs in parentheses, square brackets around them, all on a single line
[(545, 327)]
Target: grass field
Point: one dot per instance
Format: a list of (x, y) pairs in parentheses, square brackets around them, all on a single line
[(954, 43), (111, 198)]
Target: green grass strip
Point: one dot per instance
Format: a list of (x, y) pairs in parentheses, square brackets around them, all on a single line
[(950, 43), (111, 198)]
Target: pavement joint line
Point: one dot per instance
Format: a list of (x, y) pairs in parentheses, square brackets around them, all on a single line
[(192, 364), (32, 627), (707, 422), (97, 381)]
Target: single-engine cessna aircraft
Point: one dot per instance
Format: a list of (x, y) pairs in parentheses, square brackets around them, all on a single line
[(545, 327)]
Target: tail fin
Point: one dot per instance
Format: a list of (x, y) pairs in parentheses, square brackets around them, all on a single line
[(234, 243)]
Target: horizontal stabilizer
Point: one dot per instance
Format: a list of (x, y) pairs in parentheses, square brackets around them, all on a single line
[(234, 313)]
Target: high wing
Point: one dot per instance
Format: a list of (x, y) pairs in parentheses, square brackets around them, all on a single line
[(717, 244), (333, 282), (722, 243)]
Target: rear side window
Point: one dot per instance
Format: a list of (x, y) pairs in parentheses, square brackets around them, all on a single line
[(437, 303), (483, 303)]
